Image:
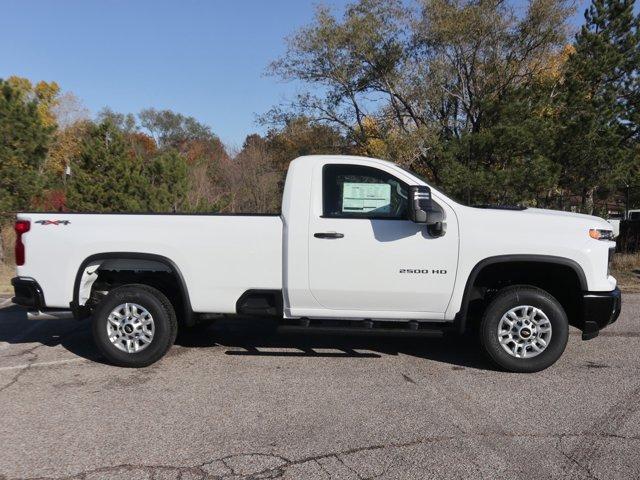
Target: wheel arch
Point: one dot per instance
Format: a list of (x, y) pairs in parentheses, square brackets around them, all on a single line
[(78, 309), (539, 261)]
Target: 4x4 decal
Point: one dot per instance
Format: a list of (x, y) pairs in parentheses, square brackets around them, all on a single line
[(53, 222)]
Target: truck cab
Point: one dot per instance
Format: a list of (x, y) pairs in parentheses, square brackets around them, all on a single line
[(354, 249)]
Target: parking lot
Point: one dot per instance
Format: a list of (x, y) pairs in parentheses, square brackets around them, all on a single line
[(237, 400)]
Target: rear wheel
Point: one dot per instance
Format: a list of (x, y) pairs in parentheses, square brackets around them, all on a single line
[(524, 329), (134, 326)]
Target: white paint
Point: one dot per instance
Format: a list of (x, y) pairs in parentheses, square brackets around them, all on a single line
[(41, 364), (52, 315)]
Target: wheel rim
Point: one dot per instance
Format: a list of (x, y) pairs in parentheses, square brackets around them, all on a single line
[(130, 327), (524, 331)]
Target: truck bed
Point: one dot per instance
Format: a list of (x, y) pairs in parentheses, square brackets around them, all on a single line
[(219, 256)]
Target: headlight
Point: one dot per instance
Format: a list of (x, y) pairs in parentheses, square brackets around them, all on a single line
[(601, 234)]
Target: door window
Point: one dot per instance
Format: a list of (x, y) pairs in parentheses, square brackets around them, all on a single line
[(356, 191)]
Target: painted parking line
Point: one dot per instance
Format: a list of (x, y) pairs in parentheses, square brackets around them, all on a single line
[(52, 315), (41, 364)]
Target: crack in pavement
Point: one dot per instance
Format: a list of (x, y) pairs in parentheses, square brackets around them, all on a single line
[(587, 449), (22, 371), (575, 461), (323, 468), (278, 464)]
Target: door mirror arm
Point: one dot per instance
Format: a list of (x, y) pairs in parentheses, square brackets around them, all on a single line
[(438, 229)]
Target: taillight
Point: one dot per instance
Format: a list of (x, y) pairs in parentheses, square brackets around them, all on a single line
[(22, 226)]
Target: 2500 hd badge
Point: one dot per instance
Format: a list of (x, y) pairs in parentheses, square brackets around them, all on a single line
[(423, 270)]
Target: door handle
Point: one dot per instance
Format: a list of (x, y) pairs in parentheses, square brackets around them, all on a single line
[(328, 235)]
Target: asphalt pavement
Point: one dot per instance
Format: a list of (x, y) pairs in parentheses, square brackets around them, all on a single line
[(238, 401)]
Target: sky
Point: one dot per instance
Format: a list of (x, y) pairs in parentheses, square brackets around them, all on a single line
[(205, 59)]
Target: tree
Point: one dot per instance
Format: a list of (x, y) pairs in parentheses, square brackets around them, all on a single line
[(251, 179), (69, 110), (352, 61), (24, 140), (71, 119), (157, 138), (65, 146), (126, 123), (173, 130), (168, 178), (104, 176), (510, 159), (599, 117), (426, 86), (45, 94), (120, 169), (297, 137)]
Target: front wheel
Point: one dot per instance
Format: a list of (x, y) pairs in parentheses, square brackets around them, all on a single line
[(524, 329), (134, 326)]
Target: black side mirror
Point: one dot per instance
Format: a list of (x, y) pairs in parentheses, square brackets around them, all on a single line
[(421, 206)]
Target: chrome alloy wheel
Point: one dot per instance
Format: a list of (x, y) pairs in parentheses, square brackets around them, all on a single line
[(130, 327), (524, 331)]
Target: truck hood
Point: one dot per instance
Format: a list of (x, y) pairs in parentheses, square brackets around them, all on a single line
[(557, 217), (587, 219)]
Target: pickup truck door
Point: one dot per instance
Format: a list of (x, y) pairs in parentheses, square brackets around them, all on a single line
[(364, 253)]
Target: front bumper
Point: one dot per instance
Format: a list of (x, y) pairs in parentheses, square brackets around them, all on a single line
[(27, 293), (599, 309)]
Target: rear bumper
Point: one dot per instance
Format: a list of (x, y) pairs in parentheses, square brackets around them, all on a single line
[(28, 293), (599, 309)]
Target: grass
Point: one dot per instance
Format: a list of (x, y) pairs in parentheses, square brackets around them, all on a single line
[(626, 268), (7, 272), (7, 268)]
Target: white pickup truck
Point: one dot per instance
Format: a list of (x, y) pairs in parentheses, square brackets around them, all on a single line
[(361, 244), (617, 218)]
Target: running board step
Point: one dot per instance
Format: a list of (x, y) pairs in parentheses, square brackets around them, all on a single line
[(362, 327)]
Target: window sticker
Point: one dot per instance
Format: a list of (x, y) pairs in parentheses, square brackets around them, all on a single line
[(366, 197)]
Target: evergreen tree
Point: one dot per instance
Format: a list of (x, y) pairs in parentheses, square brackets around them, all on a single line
[(167, 175), (24, 140), (104, 176), (599, 123)]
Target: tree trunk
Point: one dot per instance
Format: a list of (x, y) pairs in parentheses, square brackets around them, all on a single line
[(587, 200)]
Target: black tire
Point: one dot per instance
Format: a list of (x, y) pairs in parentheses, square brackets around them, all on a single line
[(512, 297), (164, 320)]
